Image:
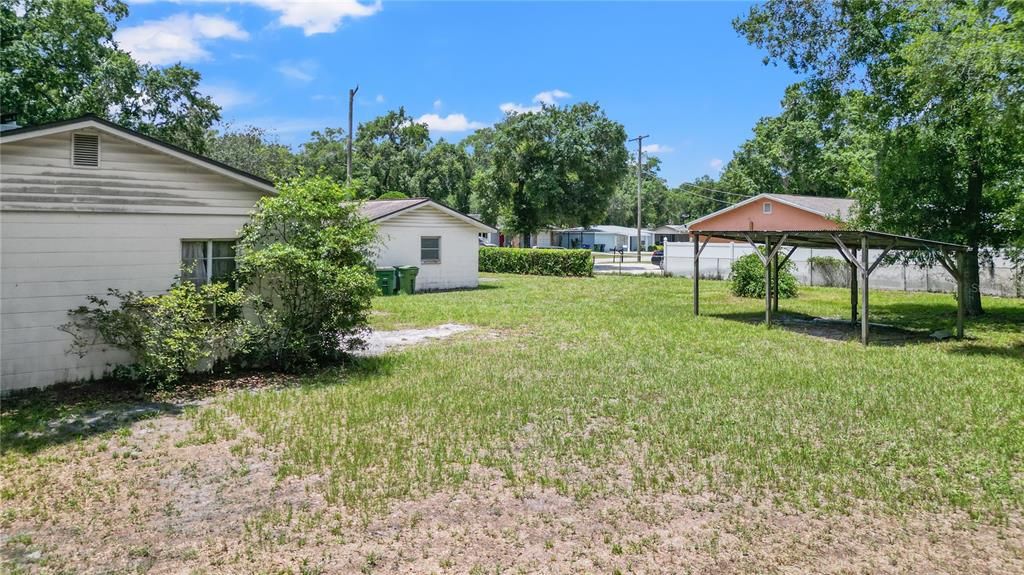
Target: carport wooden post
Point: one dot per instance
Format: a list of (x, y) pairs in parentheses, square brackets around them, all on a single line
[(961, 294), (853, 288), (775, 282), (696, 273), (865, 271), (767, 283)]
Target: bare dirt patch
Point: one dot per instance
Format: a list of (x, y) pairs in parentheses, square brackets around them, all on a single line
[(382, 341), (157, 498)]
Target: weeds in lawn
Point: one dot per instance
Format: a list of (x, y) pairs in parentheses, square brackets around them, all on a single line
[(593, 394)]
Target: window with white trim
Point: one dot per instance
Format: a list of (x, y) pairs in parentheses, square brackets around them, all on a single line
[(208, 261), (430, 249), (766, 208), (85, 150)]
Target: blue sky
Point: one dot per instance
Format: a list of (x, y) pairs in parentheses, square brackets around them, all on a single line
[(674, 70)]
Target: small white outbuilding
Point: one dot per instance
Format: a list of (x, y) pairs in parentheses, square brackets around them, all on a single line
[(442, 242)]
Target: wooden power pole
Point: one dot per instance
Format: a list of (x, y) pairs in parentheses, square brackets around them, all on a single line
[(348, 159), (639, 186)]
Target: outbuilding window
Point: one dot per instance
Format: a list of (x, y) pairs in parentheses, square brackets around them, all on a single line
[(85, 150), (430, 249), (766, 208), (208, 261)]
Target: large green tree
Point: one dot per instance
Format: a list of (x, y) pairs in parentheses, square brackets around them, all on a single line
[(253, 150), (556, 166), (444, 175), (658, 204), (820, 145), (945, 86), (388, 151), (58, 60)]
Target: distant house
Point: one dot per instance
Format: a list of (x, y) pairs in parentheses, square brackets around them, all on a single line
[(442, 242), (602, 238), (86, 205), (670, 233), (766, 212)]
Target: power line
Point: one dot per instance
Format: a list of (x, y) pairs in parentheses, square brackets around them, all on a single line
[(726, 202), (716, 191)]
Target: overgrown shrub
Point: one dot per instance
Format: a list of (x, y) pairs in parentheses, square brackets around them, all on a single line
[(305, 257), (747, 278), (833, 272), (539, 262), (185, 329)]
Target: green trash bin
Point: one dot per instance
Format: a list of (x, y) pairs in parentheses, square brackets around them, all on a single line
[(407, 278), (386, 281)]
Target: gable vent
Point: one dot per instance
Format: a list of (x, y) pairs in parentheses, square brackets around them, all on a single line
[(85, 150)]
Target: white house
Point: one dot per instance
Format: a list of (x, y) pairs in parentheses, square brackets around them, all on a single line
[(86, 205), (420, 232)]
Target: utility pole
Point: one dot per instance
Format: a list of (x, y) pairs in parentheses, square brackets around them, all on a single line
[(639, 186), (348, 160)]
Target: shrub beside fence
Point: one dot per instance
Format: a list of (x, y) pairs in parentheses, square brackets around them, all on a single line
[(540, 262)]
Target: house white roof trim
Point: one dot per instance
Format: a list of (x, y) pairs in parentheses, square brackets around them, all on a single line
[(129, 135), (445, 209)]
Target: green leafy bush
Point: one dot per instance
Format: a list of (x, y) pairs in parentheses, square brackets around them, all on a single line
[(306, 261), (186, 329), (832, 272), (747, 278), (539, 262)]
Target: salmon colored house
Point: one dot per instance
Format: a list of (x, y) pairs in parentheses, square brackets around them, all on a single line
[(778, 212)]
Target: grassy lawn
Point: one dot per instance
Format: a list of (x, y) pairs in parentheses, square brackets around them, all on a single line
[(608, 394), (605, 385)]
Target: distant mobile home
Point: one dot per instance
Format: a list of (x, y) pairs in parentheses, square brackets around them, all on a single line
[(602, 238)]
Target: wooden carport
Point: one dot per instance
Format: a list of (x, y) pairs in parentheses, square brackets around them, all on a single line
[(847, 243)]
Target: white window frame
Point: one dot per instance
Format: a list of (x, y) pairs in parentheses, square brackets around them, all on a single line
[(99, 151), (209, 254), (766, 208), (430, 262)]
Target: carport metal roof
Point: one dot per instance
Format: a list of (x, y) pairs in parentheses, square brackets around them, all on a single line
[(847, 243)]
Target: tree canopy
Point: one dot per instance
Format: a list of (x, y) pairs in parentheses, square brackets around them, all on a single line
[(942, 84), (556, 166), (58, 60)]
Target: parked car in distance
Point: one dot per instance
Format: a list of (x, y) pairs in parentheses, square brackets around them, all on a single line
[(486, 244), (658, 258)]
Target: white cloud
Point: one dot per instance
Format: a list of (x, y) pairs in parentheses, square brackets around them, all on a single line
[(227, 97), (317, 16), (379, 99), (550, 97), (658, 149), (715, 164), (546, 98), (177, 38), (303, 70), (438, 103), (510, 107), (449, 123), (313, 16)]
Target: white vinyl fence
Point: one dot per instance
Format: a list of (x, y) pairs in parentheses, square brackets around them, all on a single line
[(998, 278)]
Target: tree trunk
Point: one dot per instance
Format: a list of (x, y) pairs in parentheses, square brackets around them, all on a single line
[(972, 216)]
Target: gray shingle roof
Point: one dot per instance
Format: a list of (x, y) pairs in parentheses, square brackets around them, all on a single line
[(377, 209), (829, 207)]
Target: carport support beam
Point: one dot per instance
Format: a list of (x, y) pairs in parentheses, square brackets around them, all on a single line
[(865, 271), (961, 294), (775, 283), (853, 290), (696, 273), (768, 284)]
